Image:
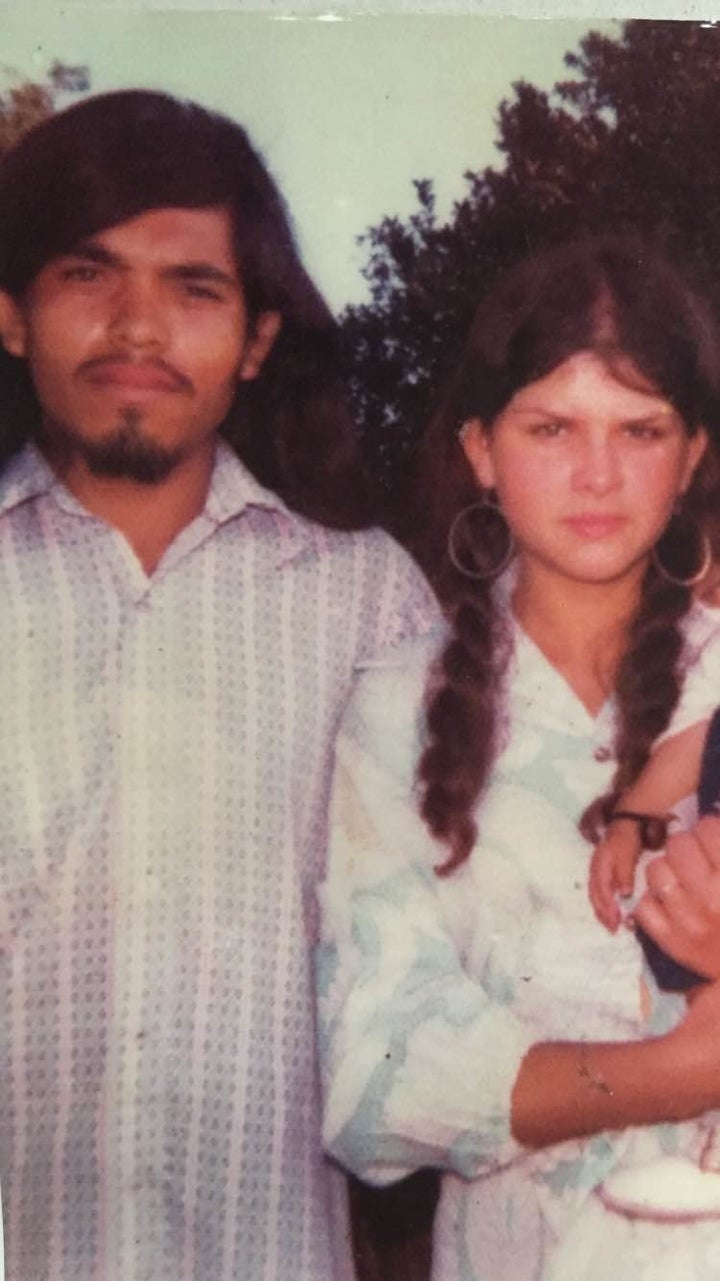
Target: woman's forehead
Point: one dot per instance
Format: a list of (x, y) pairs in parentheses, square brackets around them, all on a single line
[(589, 379)]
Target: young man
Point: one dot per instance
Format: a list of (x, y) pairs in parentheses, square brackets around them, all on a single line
[(183, 606)]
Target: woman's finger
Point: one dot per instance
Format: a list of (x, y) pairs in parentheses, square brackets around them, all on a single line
[(625, 864), (602, 890)]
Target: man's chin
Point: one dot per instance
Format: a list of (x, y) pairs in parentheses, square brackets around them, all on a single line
[(125, 453), (143, 462)]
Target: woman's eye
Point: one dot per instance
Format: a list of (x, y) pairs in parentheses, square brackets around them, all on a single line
[(644, 431)]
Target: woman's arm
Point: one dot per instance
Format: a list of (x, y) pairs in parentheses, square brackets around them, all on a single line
[(565, 1091), (671, 773), (424, 1064), (418, 1058)]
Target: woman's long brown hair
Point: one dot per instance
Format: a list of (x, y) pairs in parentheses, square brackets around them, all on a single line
[(616, 297)]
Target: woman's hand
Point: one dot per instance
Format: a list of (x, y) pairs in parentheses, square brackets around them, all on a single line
[(681, 907), (612, 870)]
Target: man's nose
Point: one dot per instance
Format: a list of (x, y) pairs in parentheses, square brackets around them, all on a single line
[(138, 318)]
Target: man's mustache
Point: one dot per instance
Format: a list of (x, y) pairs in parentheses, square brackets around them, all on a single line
[(177, 381)]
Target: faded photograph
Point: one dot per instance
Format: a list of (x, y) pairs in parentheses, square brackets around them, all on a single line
[(360, 620)]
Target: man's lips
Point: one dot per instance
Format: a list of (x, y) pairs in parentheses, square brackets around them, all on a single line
[(595, 525), (133, 376)]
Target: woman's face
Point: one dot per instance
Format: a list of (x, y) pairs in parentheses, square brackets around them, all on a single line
[(587, 470)]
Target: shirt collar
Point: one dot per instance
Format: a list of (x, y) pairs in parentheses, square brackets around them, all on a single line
[(26, 476), (233, 490)]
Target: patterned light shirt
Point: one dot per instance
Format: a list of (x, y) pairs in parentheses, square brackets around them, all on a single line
[(165, 756), (433, 989)]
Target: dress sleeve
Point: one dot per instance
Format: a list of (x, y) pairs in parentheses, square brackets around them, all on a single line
[(418, 1059), (701, 686)]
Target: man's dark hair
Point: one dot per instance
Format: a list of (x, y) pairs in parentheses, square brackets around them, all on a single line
[(117, 155)]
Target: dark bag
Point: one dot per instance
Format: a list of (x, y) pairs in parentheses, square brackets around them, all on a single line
[(670, 975)]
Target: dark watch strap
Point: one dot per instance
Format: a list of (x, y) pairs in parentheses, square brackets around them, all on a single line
[(653, 827), (670, 975)]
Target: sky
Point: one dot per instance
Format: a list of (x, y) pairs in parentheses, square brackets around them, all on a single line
[(347, 110)]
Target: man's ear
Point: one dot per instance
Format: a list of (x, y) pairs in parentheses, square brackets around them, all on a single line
[(475, 445), (13, 332), (259, 344)]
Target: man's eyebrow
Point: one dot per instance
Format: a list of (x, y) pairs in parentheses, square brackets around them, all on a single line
[(93, 252), (202, 271)]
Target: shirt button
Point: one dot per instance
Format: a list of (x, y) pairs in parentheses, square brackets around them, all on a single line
[(602, 753)]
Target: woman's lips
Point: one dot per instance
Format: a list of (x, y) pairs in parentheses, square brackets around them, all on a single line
[(589, 525)]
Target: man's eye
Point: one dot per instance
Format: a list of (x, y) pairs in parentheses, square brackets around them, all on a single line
[(84, 273), (194, 290)]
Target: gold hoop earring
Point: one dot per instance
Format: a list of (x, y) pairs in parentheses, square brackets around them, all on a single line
[(683, 554), (486, 513)]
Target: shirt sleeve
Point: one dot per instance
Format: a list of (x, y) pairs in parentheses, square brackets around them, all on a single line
[(700, 694), (418, 1060), (401, 603)]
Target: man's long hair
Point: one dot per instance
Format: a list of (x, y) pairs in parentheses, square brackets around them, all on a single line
[(117, 155)]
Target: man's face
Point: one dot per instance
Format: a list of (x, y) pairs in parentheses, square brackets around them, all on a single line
[(136, 341)]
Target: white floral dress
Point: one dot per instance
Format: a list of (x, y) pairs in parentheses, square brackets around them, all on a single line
[(432, 989)]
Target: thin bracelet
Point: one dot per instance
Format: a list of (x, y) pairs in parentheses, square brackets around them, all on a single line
[(653, 828), (594, 1079)]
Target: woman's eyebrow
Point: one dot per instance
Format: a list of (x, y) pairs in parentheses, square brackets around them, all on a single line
[(540, 409)]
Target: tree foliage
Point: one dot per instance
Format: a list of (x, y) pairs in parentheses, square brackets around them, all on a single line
[(25, 103), (628, 142)]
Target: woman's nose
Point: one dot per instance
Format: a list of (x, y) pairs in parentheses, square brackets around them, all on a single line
[(597, 466)]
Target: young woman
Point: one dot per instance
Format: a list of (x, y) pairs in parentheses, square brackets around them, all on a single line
[(475, 1015)]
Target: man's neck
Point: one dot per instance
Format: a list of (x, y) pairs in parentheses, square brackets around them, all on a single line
[(150, 516)]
